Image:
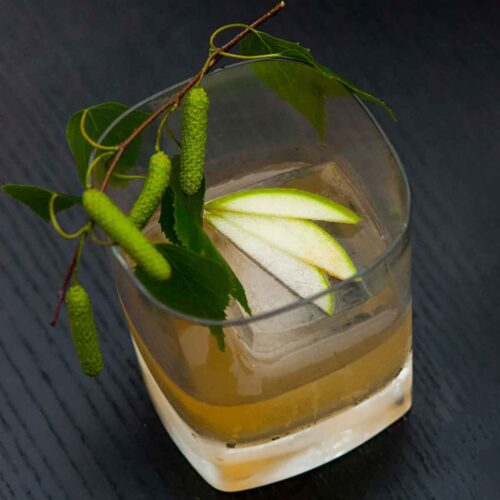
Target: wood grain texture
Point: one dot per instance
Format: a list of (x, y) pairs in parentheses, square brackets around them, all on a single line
[(436, 63)]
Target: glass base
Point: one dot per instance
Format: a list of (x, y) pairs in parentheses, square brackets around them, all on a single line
[(250, 466)]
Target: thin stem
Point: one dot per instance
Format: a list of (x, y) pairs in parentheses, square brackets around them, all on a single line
[(206, 66), (100, 242), (92, 166), (171, 134), (89, 139), (61, 294), (79, 250), (164, 124), (222, 52), (129, 177), (60, 231), (213, 59), (249, 58), (219, 30)]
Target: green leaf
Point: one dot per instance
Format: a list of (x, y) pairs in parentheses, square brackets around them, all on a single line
[(301, 87), (198, 286), (188, 210), (38, 199), (167, 219), (181, 219), (218, 333), (300, 90), (208, 249), (362, 94), (259, 43), (99, 118), (181, 214)]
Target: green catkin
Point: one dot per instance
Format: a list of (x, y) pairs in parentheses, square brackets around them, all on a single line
[(152, 191), (83, 330), (124, 232), (194, 138)]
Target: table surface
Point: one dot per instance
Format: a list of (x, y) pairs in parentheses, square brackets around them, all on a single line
[(438, 63)]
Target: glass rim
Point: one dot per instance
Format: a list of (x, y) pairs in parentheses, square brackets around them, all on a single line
[(388, 251)]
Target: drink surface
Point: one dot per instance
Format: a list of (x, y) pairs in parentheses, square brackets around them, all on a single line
[(291, 370)]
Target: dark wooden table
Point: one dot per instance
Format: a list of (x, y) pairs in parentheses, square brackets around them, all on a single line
[(437, 63)]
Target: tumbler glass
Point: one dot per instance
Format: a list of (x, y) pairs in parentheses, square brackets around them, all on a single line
[(295, 387)]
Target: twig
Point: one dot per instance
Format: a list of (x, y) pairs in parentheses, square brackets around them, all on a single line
[(176, 98), (61, 294), (212, 60)]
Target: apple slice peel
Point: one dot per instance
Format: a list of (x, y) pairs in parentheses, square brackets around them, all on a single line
[(305, 280), (284, 202), (302, 239)]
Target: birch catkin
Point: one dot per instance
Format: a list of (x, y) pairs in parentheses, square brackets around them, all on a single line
[(194, 139), (152, 191), (124, 232), (83, 330)]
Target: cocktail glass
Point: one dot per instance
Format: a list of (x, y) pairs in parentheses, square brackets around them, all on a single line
[(296, 387)]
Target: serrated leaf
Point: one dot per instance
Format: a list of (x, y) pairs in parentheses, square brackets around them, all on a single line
[(181, 214), (218, 333), (301, 87), (38, 199), (208, 249), (188, 210), (362, 94), (198, 285), (99, 118), (167, 219), (181, 219), (260, 43)]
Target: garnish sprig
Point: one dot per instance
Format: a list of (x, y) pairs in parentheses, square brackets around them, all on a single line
[(173, 102), (177, 185)]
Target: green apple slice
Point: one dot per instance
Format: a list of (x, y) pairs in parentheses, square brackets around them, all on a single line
[(285, 202), (299, 238), (305, 280)]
